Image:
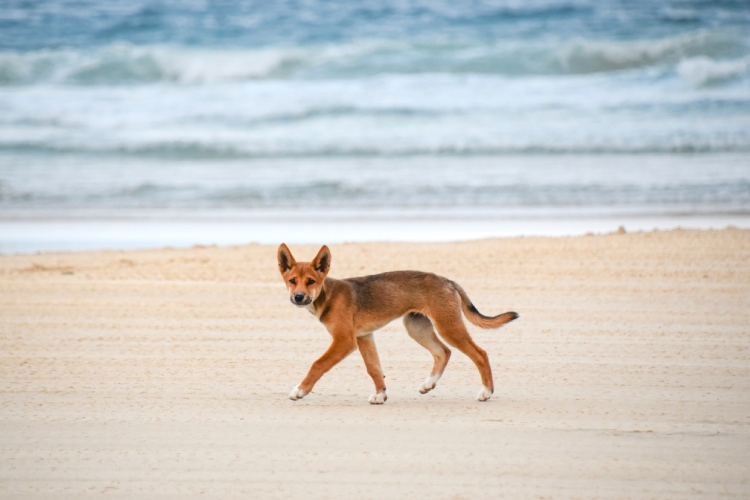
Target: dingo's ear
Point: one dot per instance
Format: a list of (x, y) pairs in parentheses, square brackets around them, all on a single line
[(322, 261), (286, 261)]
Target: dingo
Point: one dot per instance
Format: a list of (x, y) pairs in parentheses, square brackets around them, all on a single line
[(352, 309)]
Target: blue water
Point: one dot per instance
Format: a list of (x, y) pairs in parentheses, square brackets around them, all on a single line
[(523, 108), (28, 25)]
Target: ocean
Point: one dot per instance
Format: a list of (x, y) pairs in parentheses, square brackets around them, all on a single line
[(146, 124)]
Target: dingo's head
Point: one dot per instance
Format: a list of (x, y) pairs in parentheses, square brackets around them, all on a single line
[(303, 279)]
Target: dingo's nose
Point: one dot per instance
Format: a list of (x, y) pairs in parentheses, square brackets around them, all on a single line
[(299, 297)]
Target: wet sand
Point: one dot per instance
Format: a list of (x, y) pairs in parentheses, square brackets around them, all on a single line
[(165, 373)]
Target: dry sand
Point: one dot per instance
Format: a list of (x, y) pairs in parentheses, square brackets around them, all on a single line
[(165, 372)]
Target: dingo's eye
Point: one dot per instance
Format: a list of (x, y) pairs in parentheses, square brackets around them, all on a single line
[(310, 282), (293, 281)]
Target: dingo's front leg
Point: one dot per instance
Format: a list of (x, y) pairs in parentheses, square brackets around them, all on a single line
[(369, 353), (342, 346), (297, 393)]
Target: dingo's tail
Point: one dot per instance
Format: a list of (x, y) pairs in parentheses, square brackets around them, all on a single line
[(479, 319)]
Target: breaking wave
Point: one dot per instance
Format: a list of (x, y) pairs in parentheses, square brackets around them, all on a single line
[(703, 71), (136, 64)]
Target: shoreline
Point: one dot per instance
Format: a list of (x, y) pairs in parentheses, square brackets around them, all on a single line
[(32, 233)]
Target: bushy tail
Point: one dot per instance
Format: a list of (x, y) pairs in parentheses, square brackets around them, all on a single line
[(479, 319)]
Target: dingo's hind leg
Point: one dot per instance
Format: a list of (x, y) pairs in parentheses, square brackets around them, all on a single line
[(451, 327), (420, 329)]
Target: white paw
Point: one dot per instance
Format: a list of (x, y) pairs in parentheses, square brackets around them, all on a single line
[(484, 394), (429, 384), (378, 399), (297, 393)]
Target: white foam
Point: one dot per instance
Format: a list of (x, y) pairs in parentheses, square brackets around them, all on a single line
[(701, 71)]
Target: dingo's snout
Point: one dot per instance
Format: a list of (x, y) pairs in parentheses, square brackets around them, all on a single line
[(300, 299)]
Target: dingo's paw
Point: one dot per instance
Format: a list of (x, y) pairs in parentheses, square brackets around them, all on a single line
[(379, 398), (429, 384), (297, 393), (484, 394)]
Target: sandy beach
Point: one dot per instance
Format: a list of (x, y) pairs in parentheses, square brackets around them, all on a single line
[(166, 373)]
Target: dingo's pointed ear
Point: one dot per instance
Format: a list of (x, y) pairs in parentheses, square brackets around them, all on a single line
[(322, 261), (286, 261)]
